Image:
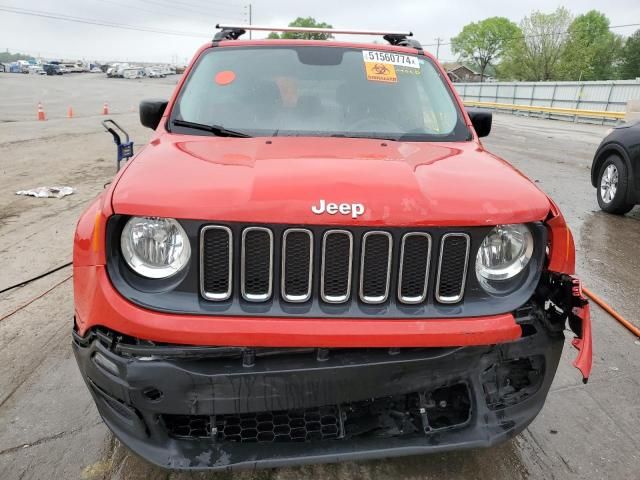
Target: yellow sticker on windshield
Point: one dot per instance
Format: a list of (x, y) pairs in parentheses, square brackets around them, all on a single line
[(381, 72)]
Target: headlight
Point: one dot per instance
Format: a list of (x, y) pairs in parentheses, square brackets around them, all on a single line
[(155, 247), (504, 253)]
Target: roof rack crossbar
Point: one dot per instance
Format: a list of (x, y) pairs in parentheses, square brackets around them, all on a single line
[(309, 30)]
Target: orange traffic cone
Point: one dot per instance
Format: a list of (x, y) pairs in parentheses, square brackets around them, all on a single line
[(41, 115), (70, 112), (105, 109)]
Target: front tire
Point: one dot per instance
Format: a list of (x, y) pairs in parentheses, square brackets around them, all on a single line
[(613, 184)]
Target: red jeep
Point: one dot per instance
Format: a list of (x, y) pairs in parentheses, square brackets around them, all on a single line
[(315, 259)]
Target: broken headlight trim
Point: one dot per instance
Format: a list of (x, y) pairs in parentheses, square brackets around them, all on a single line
[(155, 247), (504, 253)]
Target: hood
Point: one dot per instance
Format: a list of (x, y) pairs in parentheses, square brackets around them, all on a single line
[(278, 180)]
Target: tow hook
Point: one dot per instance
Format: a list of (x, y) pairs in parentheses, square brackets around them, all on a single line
[(580, 324)]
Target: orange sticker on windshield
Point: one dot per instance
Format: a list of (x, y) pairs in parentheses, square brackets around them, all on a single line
[(381, 72), (225, 77)]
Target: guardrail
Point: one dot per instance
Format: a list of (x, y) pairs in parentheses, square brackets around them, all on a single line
[(571, 112), (576, 101)]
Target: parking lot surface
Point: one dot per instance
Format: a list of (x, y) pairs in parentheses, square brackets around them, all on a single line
[(49, 427)]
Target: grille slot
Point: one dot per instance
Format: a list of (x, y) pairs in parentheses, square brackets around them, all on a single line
[(297, 265), (337, 265), (375, 267), (257, 264), (415, 258), (216, 262), (452, 268)]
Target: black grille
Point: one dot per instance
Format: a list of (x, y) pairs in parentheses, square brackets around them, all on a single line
[(297, 253), (299, 262), (386, 417), (375, 267), (302, 425), (454, 251), (216, 263), (416, 252), (185, 426), (336, 266), (257, 256)]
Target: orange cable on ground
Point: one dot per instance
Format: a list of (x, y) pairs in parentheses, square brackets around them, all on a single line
[(24, 305), (628, 325)]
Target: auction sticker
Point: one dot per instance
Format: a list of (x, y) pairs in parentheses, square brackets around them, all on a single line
[(381, 66), (398, 59), (381, 72)]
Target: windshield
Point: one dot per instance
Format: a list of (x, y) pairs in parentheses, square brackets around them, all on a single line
[(318, 91)]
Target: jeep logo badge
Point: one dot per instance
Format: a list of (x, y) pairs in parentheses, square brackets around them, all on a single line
[(355, 209)]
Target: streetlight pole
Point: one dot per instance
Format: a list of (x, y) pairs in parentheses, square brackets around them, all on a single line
[(250, 8)]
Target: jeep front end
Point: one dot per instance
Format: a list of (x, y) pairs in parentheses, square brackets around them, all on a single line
[(315, 260)]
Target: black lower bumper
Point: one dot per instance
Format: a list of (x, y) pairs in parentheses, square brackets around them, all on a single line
[(220, 409)]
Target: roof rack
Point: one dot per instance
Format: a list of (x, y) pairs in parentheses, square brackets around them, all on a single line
[(233, 32)]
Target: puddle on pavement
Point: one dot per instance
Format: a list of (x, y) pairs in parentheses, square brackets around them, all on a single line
[(607, 257)]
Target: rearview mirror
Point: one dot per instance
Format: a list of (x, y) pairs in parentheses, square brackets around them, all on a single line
[(481, 120), (151, 112)]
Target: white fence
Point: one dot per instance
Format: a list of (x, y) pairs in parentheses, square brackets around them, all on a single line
[(605, 96)]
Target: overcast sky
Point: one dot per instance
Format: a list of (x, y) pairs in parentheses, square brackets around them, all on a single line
[(427, 19)]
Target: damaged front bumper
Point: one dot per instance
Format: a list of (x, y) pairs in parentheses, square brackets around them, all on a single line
[(220, 407)]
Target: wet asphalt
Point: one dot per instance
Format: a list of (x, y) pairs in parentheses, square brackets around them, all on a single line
[(49, 427)]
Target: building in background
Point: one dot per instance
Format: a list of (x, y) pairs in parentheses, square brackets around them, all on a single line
[(462, 73)]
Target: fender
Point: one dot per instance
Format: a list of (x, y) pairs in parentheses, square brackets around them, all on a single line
[(562, 250), (89, 240)]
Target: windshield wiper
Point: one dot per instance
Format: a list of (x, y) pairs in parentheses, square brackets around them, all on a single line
[(217, 130), (372, 137)]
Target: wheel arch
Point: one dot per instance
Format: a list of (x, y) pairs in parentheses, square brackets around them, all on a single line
[(602, 154)]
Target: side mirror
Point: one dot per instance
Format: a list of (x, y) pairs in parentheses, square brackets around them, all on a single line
[(151, 112), (481, 120)]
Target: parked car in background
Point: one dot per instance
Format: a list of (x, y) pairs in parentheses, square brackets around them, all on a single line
[(154, 72), (24, 66), (615, 171), (36, 70), (116, 70), (169, 70), (75, 67), (52, 69), (132, 73), (2, 68)]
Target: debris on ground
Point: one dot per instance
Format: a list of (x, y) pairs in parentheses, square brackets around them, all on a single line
[(47, 192)]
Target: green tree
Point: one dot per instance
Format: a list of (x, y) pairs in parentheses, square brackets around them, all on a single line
[(592, 50), (630, 57), (307, 22), (483, 43), (6, 57), (536, 54)]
